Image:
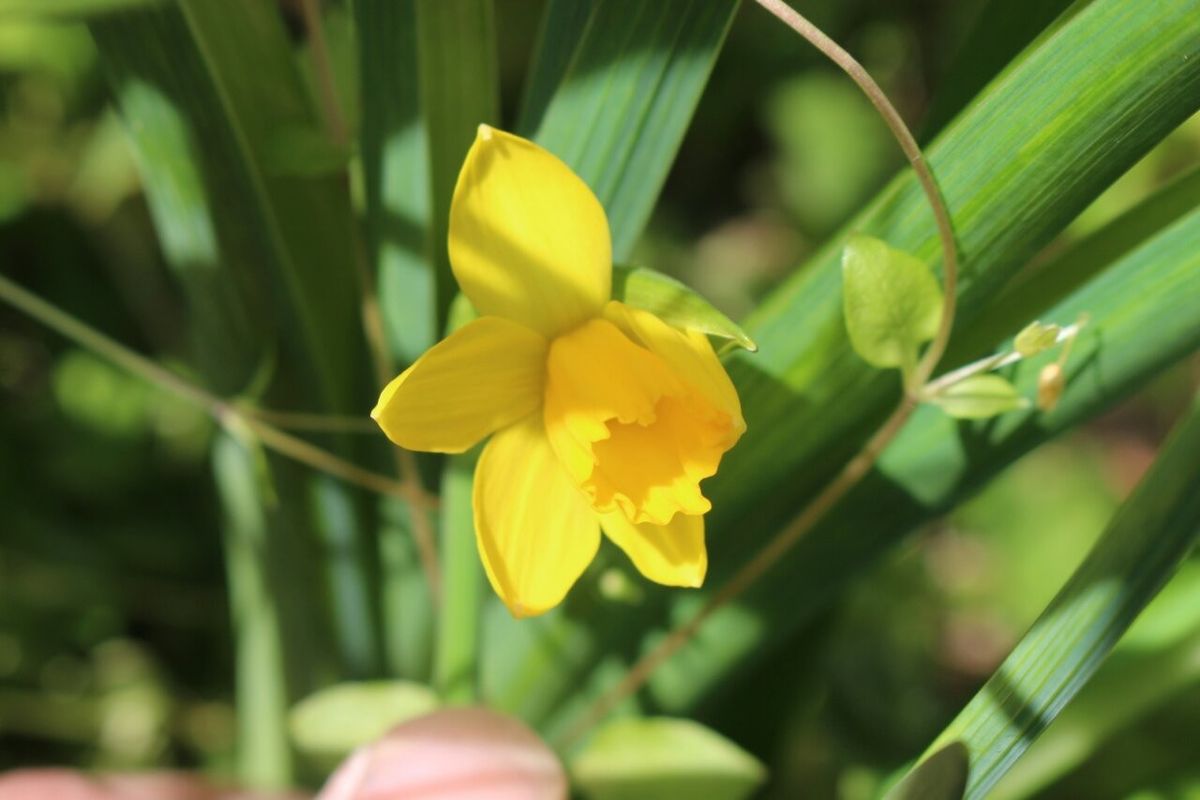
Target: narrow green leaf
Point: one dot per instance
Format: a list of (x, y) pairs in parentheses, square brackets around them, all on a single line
[(1142, 547), (979, 397), (304, 151), (1000, 32), (1032, 292), (940, 776), (676, 303), (266, 263), (264, 757), (664, 759), (1155, 662), (70, 8), (395, 167), (893, 304), (456, 62), (334, 721), (626, 97), (457, 656), (562, 27)]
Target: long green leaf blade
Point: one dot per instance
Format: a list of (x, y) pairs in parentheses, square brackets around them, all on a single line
[(1143, 545), (395, 163), (456, 55), (626, 97)]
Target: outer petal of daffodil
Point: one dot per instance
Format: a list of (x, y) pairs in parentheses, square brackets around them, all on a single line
[(689, 354), (671, 554), (485, 375), (528, 239), (535, 529)]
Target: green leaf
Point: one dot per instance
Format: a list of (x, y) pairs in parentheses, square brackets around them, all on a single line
[(1155, 663), (1001, 30), (334, 721), (893, 304), (675, 303), (624, 95), (243, 485), (940, 776), (1151, 533), (979, 397), (664, 759), (303, 150), (395, 167), (70, 8), (1034, 291), (456, 658), (456, 62)]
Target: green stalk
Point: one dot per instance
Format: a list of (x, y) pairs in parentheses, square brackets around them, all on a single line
[(264, 753), (456, 658)]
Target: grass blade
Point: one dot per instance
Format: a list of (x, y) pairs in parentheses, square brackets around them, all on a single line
[(626, 97), (456, 54), (1143, 545), (395, 167)]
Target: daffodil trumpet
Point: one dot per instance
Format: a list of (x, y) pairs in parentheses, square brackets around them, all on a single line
[(603, 417)]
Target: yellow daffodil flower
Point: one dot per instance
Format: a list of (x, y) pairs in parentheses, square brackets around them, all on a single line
[(605, 417)]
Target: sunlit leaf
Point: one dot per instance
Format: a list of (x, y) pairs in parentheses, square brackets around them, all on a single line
[(664, 759), (336, 720), (1152, 532), (676, 303), (893, 304), (979, 397)]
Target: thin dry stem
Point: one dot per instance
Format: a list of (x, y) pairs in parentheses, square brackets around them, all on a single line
[(861, 463), (314, 423), (406, 462), (221, 410)]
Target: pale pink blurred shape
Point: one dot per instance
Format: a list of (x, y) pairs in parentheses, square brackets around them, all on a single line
[(63, 784), (453, 754)]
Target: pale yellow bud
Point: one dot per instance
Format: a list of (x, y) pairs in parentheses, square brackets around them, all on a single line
[(1051, 382)]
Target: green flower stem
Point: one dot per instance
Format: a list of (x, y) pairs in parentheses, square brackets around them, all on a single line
[(456, 657), (861, 463), (221, 410), (263, 749)]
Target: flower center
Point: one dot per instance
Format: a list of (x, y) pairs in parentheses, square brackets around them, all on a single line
[(631, 433)]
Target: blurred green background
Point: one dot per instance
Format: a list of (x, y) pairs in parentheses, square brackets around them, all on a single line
[(114, 634)]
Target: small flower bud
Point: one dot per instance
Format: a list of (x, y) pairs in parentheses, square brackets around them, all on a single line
[(1051, 382), (1036, 337)]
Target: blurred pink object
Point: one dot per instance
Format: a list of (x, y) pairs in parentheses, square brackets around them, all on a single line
[(63, 784), (454, 754)]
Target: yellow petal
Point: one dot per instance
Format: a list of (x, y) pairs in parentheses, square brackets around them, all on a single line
[(528, 239), (689, 354), (482, 377), (671, 554), (535, 530)]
